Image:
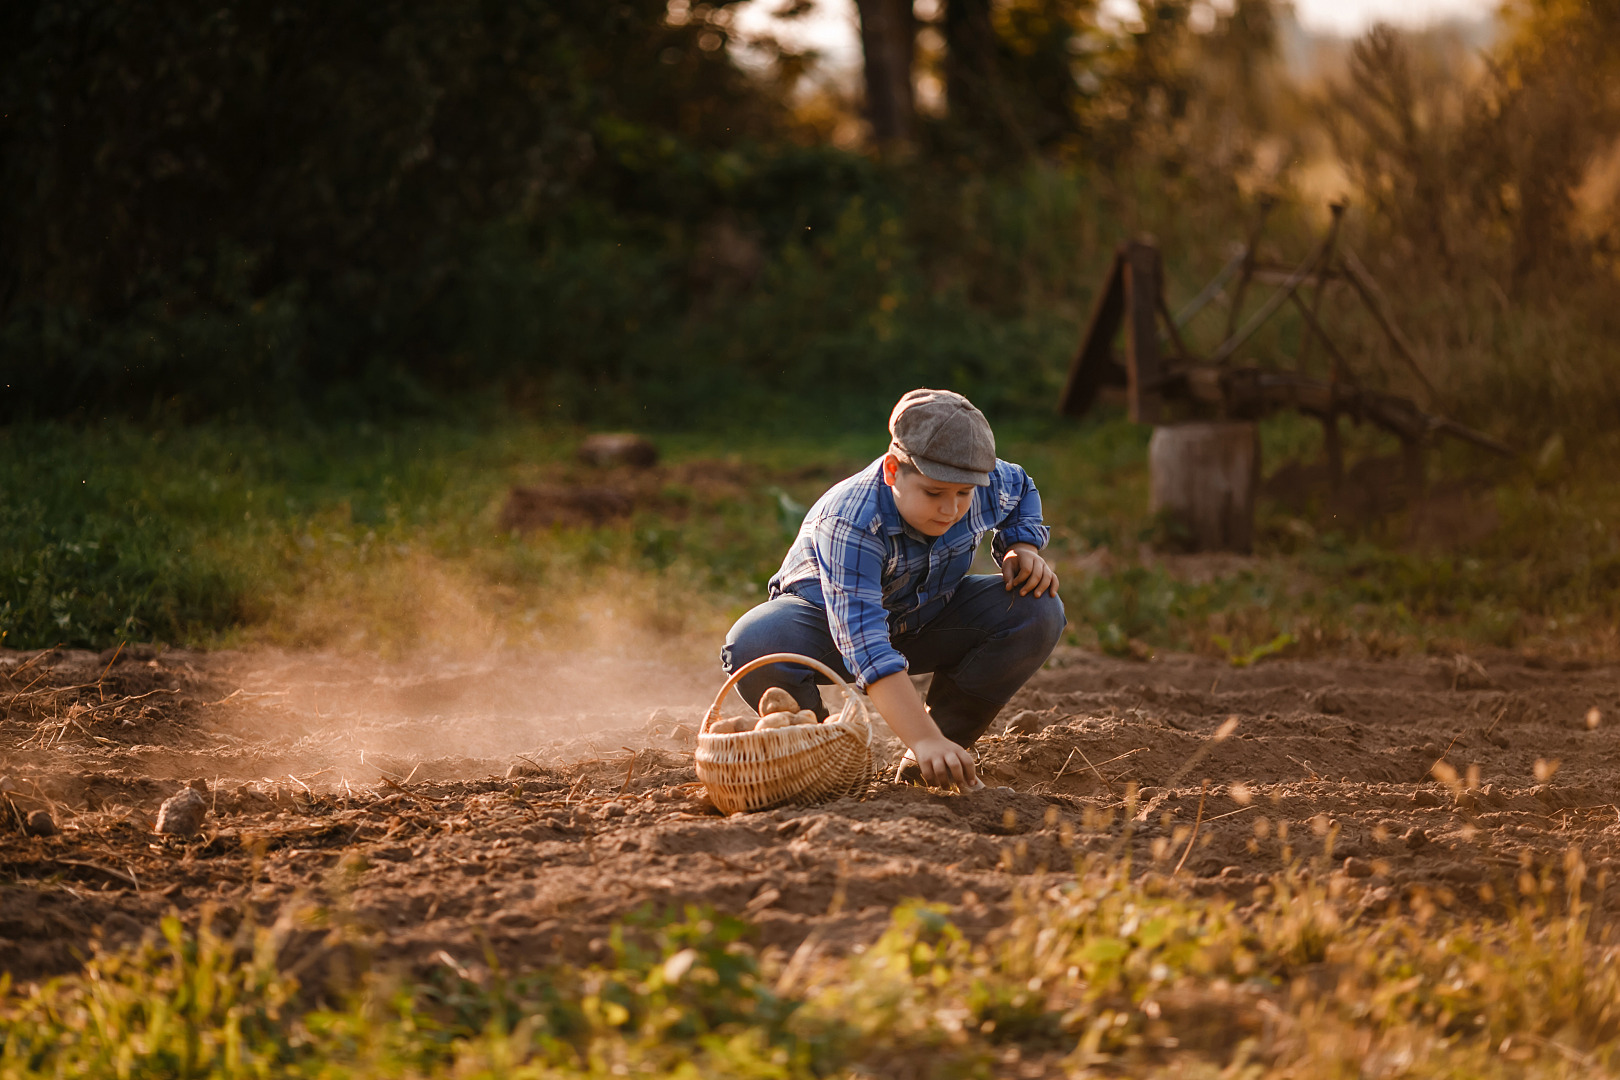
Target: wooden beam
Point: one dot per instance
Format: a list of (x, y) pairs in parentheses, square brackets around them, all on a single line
[(1341, 370), (1095, 365), (1373, 297), (1211, 290), (1144, 364), (1276, 300), (1250, 250), (1251, 392)]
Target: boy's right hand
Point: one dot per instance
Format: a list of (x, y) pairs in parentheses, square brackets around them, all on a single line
[(944, 763)]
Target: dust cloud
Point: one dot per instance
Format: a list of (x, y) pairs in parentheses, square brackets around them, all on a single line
[(354, 718)]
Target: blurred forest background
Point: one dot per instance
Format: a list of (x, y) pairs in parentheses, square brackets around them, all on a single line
[(263, 218), (627, 212)]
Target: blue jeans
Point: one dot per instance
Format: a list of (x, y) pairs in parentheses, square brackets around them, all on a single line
[(981, 647)]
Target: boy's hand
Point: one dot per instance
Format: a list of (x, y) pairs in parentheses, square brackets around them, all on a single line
[(943, 763), (1023, 566)]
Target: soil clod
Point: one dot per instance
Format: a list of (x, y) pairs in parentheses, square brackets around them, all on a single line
[(1026, 722), (40, 823), (182, 814)]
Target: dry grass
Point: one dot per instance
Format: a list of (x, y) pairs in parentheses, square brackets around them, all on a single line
[(1315, 978)]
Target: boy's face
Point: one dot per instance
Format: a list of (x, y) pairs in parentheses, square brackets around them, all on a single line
[(929, 506)]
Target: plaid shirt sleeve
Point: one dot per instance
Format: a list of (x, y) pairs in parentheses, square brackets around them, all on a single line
[(850, 561), (1022, 525)]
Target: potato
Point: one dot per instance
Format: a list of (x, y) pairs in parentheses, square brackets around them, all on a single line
[(775, 720), (731, 726), (805, 716), (776, 700)]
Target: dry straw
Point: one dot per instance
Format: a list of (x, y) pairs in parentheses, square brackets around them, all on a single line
[(789, 766)]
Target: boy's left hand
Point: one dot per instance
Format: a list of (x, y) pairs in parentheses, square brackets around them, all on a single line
[(1023, 568)]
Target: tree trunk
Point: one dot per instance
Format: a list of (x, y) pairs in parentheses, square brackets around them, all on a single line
[(1203, 477), (888, 41), (970, 59)]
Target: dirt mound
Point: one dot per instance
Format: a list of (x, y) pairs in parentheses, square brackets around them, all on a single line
[(589, 497), (447, 810)]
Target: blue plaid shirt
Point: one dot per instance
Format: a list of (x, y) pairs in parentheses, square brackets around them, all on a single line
[(877, 576)]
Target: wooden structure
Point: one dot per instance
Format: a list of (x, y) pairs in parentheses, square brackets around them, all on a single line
[(1166, 381), (1205, 474)]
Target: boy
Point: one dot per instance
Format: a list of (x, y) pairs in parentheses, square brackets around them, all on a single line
[(877, 584)]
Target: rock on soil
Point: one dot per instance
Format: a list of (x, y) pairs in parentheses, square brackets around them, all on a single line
[(1026, 722), (617, 448), (182, 815), (40, 823)]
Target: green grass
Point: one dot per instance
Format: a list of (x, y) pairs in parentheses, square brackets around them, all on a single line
[(1100, 972), (386, 538)]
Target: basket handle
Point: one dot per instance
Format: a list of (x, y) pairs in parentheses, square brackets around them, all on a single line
[(790, 658)]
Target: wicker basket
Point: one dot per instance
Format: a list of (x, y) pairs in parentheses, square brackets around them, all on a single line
[(789, 766)]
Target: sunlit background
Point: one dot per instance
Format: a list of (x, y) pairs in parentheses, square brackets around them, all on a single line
[(832, 27)]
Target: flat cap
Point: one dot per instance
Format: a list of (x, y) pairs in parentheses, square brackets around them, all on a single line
[(944, 436)]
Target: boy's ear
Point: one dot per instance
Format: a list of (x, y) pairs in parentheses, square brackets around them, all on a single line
[(891, 469)]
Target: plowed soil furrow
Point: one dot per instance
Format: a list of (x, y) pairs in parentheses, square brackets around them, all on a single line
[(522, 805)]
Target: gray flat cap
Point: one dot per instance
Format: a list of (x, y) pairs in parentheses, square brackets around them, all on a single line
[(941, 433)]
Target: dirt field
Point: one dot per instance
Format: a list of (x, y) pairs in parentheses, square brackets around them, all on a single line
[(502, 806)]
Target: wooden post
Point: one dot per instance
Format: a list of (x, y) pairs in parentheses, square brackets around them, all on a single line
[(1144, 365), (1334, 450), (1204, 475), (1414, 462)]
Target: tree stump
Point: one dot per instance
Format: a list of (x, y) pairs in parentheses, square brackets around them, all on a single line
[(1203, 476)]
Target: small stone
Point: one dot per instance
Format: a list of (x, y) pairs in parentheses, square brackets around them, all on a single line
[(1425, 797), (40, 823), (1357, 868), (613, 809), (1329, 701), (1415, 838), (1462, 873), (182, 815), (1549, 796), (249, 799), (1025, 722), (617, 448)]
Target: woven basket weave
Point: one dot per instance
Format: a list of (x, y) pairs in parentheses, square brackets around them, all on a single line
[(789, 766)]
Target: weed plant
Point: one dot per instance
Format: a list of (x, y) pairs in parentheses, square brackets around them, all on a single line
[(1131, 977)]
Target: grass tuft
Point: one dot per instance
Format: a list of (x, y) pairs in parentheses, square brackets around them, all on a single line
[(1101, 972)]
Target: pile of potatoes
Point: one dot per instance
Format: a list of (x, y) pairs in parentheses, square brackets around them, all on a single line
[(777, 709)]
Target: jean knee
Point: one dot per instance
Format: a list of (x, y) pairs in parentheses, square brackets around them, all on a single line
[(1047, 618), (748, 639)]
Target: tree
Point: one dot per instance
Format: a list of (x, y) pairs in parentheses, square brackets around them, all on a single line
[(888, 44)]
